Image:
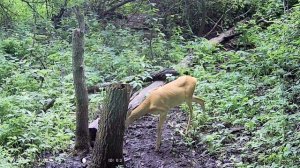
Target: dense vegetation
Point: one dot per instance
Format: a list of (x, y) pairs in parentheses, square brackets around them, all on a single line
[(251, 86)]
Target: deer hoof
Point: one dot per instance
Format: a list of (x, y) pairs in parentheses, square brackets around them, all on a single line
[(157, 149)]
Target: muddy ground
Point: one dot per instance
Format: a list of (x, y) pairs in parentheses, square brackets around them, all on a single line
[(139, 147)]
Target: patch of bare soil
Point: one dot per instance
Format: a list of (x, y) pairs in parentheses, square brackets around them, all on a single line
[(140, 139)]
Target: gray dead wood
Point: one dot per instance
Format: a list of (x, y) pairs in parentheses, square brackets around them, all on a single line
[(223, 36), (161, 75)]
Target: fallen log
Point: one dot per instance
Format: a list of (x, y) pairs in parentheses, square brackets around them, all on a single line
[(161, 75), (48, 105), (138, 99), (230, 33), (93, 128)]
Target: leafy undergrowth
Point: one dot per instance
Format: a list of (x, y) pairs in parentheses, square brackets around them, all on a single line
[(252, 96), (37, 70)]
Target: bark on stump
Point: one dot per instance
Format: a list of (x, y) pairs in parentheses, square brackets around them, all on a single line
[(108, 149)]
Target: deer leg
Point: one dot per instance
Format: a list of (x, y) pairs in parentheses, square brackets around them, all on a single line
[(190, 116), (199, 101), (162, 118)]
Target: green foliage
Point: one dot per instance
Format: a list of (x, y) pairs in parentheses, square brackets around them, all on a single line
[(115, 52), (26, 131), (6, 69), (252, 96), (252, 116), (35, 71), (13, 11), (15, 48)]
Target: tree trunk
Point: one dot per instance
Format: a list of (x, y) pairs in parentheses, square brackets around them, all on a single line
[(81, 134), (108, 149)]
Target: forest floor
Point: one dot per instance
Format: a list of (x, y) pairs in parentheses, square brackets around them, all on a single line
[(140, 139)]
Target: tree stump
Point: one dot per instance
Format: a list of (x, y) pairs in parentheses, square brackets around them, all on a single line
[(108, 149)]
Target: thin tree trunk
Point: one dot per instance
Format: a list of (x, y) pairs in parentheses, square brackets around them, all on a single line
[(203, 8), (108, 149), (81, 134)]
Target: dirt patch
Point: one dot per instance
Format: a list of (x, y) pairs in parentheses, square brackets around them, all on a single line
[(140, 139)]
